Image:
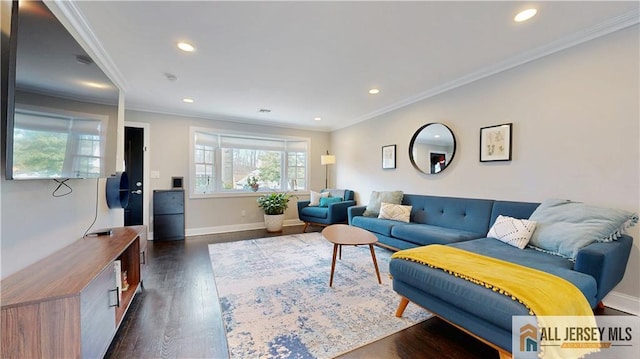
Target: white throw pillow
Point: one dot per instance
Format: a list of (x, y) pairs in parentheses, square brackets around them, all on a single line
[(512, 231), (396, 212), (315, 198)]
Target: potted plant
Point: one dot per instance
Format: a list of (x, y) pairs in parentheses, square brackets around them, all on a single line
[(274, 204), (252, 181)]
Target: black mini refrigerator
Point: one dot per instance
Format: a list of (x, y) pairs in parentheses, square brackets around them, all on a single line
[(168, 215)]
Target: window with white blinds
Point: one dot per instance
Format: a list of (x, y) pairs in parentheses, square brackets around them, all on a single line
[(236, 163), (50, 144)]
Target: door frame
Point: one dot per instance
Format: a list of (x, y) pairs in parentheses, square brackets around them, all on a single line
[(145, 169)]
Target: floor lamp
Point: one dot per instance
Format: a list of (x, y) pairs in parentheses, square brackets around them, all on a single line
[(327, 160)]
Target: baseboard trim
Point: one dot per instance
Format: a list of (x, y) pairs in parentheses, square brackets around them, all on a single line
[(623, 302), (189, 232)]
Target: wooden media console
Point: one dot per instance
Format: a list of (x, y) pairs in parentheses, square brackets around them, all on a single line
[(67, 305)]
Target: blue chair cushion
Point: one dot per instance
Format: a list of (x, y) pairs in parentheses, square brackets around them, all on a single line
[(313, 211)]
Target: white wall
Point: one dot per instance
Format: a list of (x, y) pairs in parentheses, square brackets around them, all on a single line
[(35, 224), (575, 118), (169, 152)]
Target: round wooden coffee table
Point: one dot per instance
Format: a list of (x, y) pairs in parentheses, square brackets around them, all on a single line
[(345, 235)]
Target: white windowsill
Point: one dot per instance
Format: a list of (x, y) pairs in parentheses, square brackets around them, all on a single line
[(242, 194)]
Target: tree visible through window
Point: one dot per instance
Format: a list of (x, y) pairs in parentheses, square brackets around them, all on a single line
[(49, 145), (224, 163)]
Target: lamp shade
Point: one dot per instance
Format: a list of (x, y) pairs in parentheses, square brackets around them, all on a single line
[(327, 159)]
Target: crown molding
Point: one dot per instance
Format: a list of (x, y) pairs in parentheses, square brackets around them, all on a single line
[(227, 118), (614, 24), (73, 19)]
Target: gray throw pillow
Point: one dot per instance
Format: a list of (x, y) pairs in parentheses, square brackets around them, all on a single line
[(376, 198), (564, 227), (335, 192)]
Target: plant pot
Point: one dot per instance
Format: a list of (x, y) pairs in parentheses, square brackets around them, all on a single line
[(274, 222)]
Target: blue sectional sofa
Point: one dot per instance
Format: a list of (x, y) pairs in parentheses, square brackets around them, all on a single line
[(464, 223)]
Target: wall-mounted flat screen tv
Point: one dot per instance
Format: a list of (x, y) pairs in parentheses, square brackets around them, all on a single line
[(61, 107)]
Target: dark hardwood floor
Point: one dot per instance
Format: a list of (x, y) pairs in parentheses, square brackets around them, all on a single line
[(178, 315)]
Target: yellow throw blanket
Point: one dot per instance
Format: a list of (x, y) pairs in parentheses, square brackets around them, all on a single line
[(542, 293)]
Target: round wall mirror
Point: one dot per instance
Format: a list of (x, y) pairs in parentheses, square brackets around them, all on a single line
[(432, 148)]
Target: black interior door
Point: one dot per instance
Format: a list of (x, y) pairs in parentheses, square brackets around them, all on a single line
[(134, 164)]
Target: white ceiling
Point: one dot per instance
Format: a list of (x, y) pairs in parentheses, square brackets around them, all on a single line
[(318, 59)]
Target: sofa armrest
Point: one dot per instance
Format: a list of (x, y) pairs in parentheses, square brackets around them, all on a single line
[(606, 262), (338, 211), (302, 204), (355, 211)]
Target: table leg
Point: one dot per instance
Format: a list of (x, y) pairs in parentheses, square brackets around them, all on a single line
[(340, 252), (333, 263), (375, 263)]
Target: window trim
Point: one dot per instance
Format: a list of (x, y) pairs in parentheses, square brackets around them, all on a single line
[(238, 193)]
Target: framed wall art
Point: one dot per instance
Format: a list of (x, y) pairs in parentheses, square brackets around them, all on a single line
[(495, 143), (389, 157)]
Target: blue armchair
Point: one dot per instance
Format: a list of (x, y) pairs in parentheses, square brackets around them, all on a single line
[(325, 216)]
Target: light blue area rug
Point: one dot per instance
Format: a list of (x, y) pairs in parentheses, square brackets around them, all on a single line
[(276, 301)]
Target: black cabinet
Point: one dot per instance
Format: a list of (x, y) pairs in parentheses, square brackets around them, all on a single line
[(168, 214)]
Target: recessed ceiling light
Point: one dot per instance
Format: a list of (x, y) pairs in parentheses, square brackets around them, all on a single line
[(374, 91), (185, 46), (187, 100), (525, 15), (317, 118)]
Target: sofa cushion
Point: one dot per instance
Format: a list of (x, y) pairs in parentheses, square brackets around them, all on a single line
[(565, 226), (342, 193), (346, 194), (375, 225), (315, 198), (512, 209), (528, 257), (465, 214), (396, 212), (317, 212), (424, 234), (326, 201), (532, 258), (512, 231), (376, 199)]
